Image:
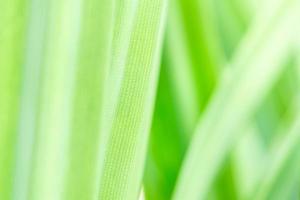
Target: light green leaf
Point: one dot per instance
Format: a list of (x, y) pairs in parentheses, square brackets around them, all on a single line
[(127, 145), (13, 17)]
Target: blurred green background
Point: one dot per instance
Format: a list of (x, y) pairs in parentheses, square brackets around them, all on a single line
[(205, 41)]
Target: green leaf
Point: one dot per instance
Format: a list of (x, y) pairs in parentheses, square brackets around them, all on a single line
[(13, 18), (127, 145)]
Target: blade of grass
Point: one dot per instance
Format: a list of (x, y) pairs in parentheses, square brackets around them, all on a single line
[(126, 11), (13, 18), (262, 25), (36, 33), (93, 64), (250, 157), (202, 45), (57, 80), (127, 146), (180, 69)]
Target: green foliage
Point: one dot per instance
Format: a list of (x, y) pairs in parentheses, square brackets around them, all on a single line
[(149, 99)]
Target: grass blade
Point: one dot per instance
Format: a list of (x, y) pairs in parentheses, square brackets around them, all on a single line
[(125, 156), (13, 18)]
